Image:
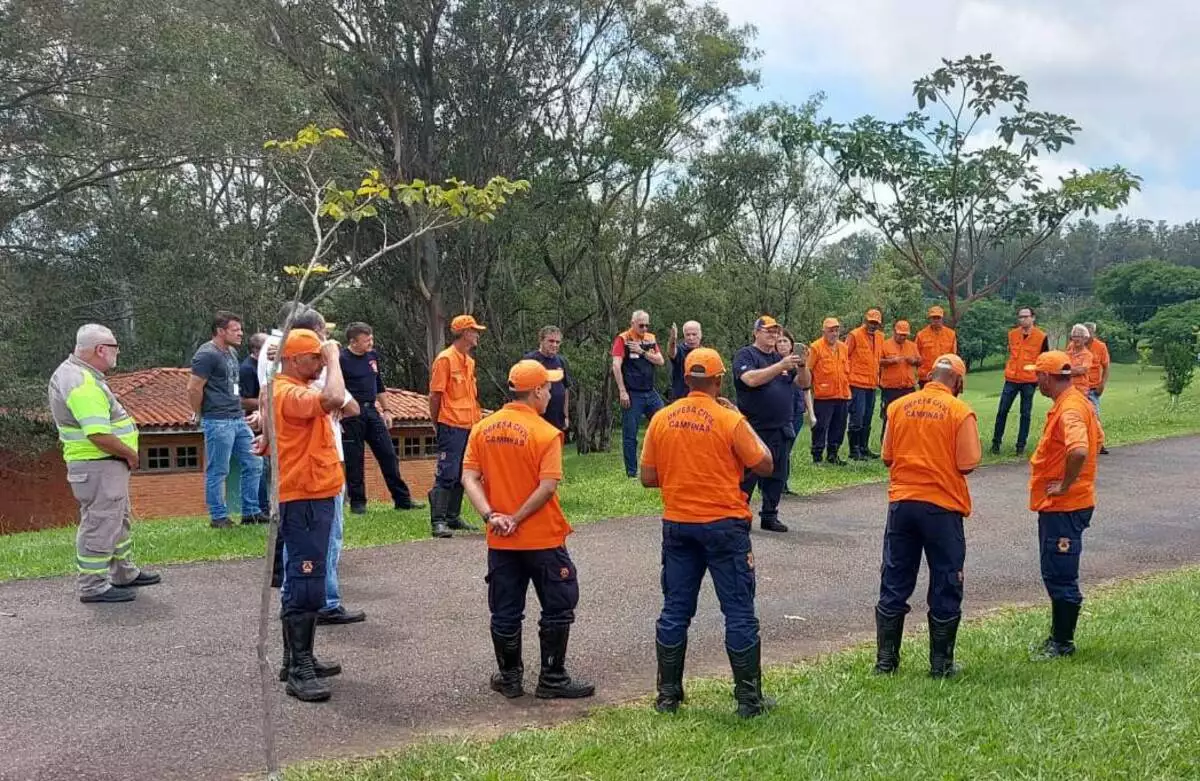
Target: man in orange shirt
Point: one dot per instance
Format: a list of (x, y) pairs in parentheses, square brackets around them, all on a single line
[(310, 480), (454, 408), (829, 366), (1062, 491), (934, 341), (898, 363), (931, 445), (635, 356), (1098, 374), (863, 348), (696, 451), (511, 471), (1025, 343), (1081, 357)]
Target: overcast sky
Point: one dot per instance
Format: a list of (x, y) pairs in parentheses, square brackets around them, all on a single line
[(1127, 72)]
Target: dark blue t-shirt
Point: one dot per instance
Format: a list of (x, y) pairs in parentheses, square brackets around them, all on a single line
[(362, 376), (248, 378), (768, 406), (219, 369), (556, 411), (679, 388)]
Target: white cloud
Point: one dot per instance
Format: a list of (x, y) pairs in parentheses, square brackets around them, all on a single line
[(1125, 71)]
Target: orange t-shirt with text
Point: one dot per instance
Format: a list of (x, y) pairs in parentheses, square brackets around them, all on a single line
[(830, 367), (933, 344), (701, 450), (863, 351), (1071, 424), (1100, 360), (901, 375), (309, 467), (515, 449), (453, 376), (931, 437)]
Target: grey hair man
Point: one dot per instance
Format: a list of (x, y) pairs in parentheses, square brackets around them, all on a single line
[(100, 445)]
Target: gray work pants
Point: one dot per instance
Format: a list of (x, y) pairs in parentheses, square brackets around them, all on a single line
[(103, 545)]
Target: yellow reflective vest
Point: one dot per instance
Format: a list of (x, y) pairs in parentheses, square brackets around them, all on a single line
[(82, 404)]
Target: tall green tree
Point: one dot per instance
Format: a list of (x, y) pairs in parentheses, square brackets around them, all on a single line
[(941, 199)]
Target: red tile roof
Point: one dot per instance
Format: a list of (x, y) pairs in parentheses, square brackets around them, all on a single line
[(157, 399)]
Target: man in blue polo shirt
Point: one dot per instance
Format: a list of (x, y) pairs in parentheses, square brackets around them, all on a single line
[(360, 367), (763, 380), (678, 352), (558, 411)]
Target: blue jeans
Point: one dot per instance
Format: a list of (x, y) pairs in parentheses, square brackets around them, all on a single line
[(1094, 397), (641, 404), (225, 438), (721, 548), (913, 527), (1008, 395), (862, 407)]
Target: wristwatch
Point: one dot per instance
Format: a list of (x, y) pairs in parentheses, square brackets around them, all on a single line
[(488, 515)]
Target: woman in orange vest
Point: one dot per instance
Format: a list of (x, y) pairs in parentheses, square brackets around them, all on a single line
[(1062, 491), (830, 368), (1025, 343), (863, 347)]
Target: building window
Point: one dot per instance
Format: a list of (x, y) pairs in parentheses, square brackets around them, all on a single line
[(158, 458), (414, 447), (187, 457)]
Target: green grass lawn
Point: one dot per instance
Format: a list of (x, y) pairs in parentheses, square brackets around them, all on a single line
[(1123, 708), (1135, 409)]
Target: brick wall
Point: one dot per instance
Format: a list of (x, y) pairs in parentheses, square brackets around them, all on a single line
[(36, 494)]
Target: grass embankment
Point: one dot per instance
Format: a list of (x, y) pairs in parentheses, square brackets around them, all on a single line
[(1135, 409), (1122, 708)]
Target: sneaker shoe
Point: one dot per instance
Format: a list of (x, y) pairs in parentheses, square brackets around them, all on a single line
[(221, 523)]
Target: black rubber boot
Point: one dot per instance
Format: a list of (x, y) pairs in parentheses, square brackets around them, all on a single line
[(856, 453), (942, 633), (439, 501), (553, 681), (454, 511), (321, 669), (831, 457), (889, 632), (747, 681), (508, 658), (995, 448), (670, 676), (302, 680), (1061, 642)]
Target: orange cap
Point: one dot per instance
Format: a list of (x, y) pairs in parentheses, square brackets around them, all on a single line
[(935, 311), (704, 362), (465, 323), (831, 322), (952, 362), (874, 316), (902, 327), (529, 374), (301, 341), (764, 323), (1052, 362)]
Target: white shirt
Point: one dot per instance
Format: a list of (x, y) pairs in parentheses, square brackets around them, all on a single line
[(266, 370)]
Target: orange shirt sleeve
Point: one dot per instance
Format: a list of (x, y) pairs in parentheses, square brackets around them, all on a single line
[(648, 449), (471, 457), (811, 362), (967, 452), (550, 467), (1075, 433), (439, 378), (885, 447), (296, 402), (746, 445)]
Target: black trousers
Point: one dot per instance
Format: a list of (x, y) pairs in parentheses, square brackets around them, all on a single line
[(779, 442), (304, 527), (913, 528), (367, 429), (554, 579), (830, 428), (888, 395)]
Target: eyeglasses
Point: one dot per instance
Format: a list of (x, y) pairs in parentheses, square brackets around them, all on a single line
[(642, 325), (116, 347)]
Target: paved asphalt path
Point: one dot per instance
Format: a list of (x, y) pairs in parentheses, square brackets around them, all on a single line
[(166, 687)]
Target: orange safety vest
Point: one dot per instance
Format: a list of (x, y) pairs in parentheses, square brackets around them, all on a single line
[(1100, 359), (830, 367), (863, 350), (1022, 351), (932, 345)]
